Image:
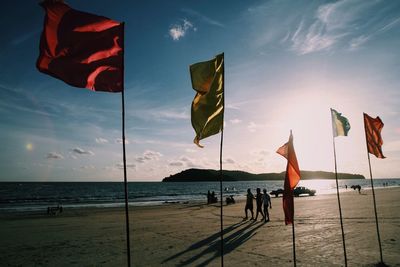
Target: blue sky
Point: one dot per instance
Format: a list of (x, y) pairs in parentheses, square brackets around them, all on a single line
[(286, 63)]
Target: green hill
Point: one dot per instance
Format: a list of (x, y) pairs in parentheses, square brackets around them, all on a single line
[(201, 175)]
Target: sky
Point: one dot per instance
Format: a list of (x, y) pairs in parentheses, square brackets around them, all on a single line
[(286, 64)]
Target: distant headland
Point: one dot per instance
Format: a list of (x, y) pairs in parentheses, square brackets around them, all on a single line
[(202, 175)]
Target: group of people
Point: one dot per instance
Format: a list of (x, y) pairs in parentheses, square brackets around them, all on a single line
[(263, 201)]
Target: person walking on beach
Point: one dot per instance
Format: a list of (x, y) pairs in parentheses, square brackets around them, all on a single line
[(266, 202), (259, 202), (249, 204)]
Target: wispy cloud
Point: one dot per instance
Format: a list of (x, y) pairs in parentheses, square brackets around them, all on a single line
[(357, 42), (229, 161), (177, 31), (235, 121), (25, 37), (253, 127), (80, 151), (100, 140), (54, 155), (176, 164), (147, 156), (119, 141), (161, 113), (202, 17), (186, 162), (170, 114), (312, 27), (129, 165)]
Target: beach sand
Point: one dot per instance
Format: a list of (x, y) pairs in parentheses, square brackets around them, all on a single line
[(188, 234)]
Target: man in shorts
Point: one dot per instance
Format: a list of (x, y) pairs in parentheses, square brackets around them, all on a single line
[(249, 204)]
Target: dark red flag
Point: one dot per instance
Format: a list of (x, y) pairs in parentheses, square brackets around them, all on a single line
[(373, 129), (292, 178), (81, 49)]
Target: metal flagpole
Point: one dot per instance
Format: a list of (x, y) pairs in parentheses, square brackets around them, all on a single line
[(222, 201), (376, 215), (340, 207), (124, 162), (220, 164), (373, 195), (125, 183), (294, 239)]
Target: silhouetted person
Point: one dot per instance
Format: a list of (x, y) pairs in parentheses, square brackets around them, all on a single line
[(214, 199), (345, 186), (230, 200), (249, 204), (259, 202), (208, 197), (266, 202), (359, 188)]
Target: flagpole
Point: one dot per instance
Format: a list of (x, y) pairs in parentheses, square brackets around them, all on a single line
[(128, 247), (294, 239), (220, 164), (376, 215), (222, 201), (340, 208)]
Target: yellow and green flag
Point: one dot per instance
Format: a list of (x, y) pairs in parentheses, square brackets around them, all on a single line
[(208, 104), (340, 124)]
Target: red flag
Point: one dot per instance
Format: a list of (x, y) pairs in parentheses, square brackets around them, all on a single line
[(81, 49), (373, 129), (292, 178)]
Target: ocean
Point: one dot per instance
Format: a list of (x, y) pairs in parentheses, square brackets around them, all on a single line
[(37, 196)]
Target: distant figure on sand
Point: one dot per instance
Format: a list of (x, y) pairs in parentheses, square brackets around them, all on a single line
[(358, 187), (213, 198), (230, 200), (259, 202), (208, 197), (249, 204), (266, 202)]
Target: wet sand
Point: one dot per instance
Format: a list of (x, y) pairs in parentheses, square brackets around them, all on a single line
[(188, 234)]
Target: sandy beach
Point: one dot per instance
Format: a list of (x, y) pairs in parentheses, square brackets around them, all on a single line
[(188, 234)]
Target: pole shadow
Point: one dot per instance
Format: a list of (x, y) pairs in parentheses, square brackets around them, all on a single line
[(212, 243)]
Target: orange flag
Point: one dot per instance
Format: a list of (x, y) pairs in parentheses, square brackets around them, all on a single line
[(292, 178), (373, 129)]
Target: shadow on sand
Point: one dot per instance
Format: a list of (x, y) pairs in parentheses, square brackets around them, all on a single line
[(233, 238)]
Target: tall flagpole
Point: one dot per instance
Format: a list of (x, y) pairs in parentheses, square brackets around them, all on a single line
[(220, 165), (294, 239), (128, 247), (222, 201), (373, 196), (340, 208)]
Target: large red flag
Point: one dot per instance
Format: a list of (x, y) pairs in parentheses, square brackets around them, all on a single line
[(292, 178), (373, 129), (81, 49)]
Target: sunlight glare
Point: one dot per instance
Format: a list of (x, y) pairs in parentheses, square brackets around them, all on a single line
[(29, 146)]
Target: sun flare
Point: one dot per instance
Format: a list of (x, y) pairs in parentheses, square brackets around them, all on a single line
[(29, 146)]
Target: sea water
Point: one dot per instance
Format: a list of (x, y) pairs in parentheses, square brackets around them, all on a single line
[(37, 196)]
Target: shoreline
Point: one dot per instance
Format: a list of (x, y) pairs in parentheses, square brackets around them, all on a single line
[(41, 209)]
